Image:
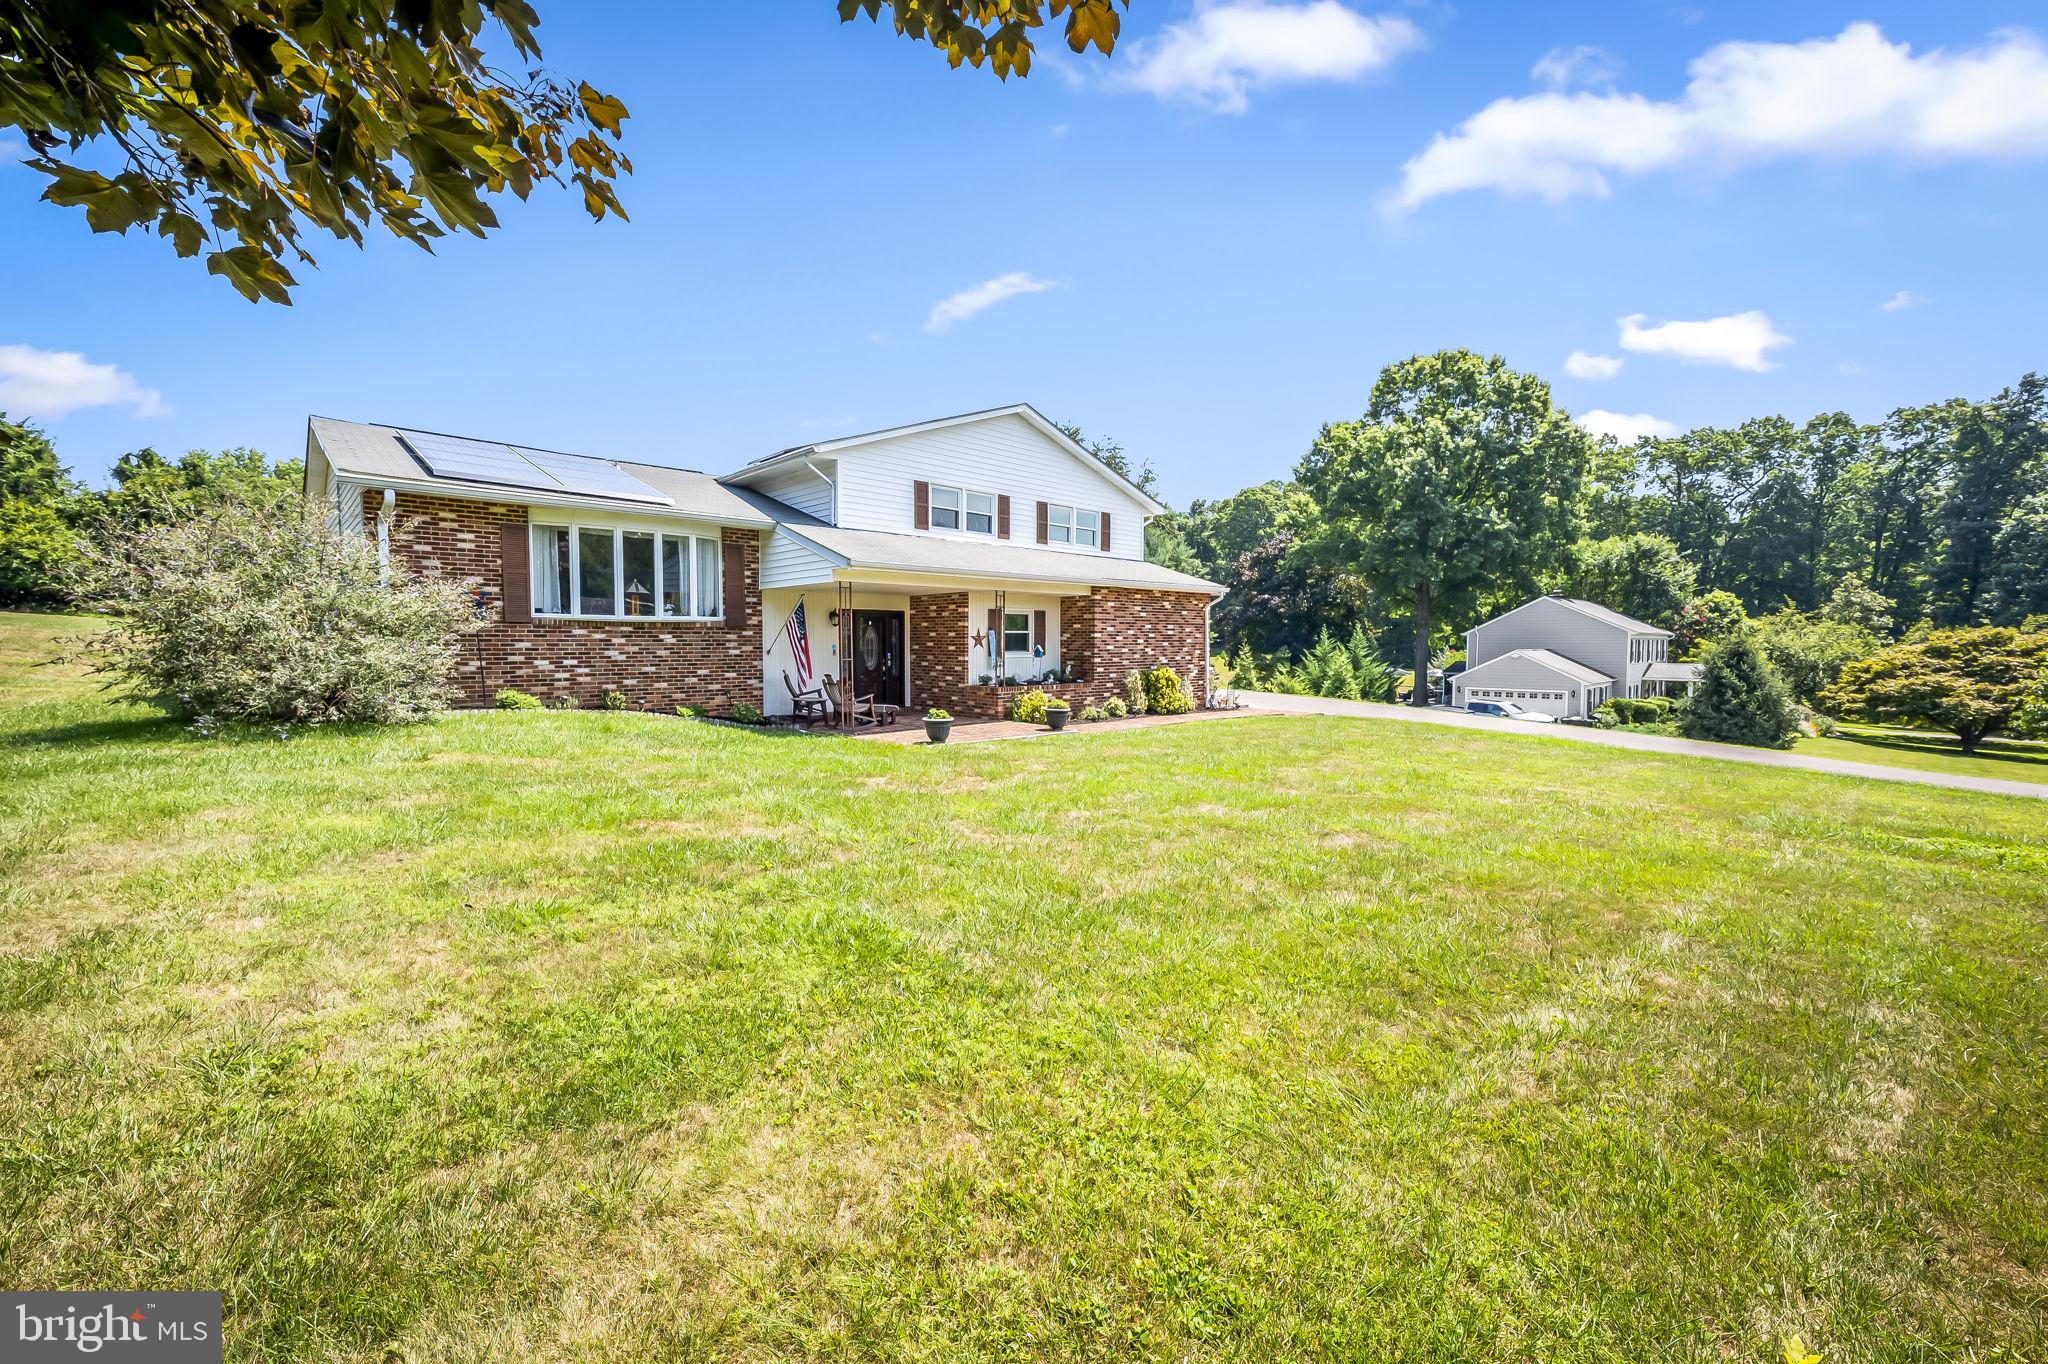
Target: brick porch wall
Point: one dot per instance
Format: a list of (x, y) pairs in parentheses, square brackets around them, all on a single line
[(657, 664), (1105, 635)]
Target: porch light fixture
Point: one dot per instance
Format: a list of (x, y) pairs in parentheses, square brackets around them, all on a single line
[(832, 618)]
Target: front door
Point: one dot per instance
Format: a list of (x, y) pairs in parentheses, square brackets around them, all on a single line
[(878, 656)]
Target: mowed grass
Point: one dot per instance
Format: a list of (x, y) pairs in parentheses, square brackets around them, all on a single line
[(2009, 759), (589, 1036)]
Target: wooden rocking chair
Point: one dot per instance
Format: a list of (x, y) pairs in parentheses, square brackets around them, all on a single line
[(810, 705), (863, 710)]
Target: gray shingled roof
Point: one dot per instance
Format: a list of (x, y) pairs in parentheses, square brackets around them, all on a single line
[(1556, 662), (367, 452)]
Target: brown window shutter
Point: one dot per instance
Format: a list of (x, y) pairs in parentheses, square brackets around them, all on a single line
[(921, 504), (516, 575), (1002, 516), (735, 587), (1038, 629), (1041, 523), (1105, 532)]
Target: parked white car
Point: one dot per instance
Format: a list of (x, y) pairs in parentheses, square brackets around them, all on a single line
[(1508, 710)]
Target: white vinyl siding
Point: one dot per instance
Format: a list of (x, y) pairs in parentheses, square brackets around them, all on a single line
[(799, 487), (1002, 457), (1549, 624), (788, 562)]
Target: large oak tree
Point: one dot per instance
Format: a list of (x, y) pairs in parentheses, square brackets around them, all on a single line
[(1462, 479)]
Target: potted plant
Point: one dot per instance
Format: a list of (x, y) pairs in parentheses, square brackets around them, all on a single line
[(938, 725), (1056, 713)]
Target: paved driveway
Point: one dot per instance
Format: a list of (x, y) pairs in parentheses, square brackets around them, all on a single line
[(1647, 743)]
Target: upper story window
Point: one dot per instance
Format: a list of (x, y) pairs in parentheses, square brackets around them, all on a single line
[(1072, 526), (960, 509), (613, 573)]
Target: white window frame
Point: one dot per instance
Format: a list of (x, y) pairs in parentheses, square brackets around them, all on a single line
[(962, 509), (689, 543), (1066, 525), (1024, 652)]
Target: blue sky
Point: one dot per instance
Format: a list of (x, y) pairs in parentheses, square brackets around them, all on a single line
[(1212, 241)]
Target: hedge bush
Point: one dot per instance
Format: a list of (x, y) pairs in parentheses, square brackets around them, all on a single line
[(509, 698), (257, 612)]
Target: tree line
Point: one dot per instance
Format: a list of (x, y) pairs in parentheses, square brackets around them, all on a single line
[(1463, 482), (47, 516)]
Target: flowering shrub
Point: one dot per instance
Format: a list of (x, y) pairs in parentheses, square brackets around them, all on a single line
[(1134, 693), (257, 612), (1029, 707)]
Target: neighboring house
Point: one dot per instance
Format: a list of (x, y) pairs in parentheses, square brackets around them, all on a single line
[(1565, 656), (932, 562)]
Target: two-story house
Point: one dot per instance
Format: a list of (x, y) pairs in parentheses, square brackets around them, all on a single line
[(928, 564), (1564, 656)]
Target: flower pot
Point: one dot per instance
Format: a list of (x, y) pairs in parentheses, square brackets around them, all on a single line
[(1056, 716), (937, 731)]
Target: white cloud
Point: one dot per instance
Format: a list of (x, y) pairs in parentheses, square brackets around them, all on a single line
[(965, 304), (1902, 300), (1626, 427), (54, 383), (1849, 367), (1562, 68), (1229, 47), (1059, 130), (1855, 94), (1581, 365), (1739, 340)]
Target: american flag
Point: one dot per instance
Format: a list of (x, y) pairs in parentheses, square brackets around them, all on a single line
[(799, 643)]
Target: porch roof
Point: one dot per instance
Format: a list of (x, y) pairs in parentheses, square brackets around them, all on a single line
[(1673, 672), (884, 551)]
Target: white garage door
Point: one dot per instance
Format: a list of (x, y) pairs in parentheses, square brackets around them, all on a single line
[(1550, 701)]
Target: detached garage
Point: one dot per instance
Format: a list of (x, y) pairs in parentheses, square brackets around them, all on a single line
[(1534, 679)]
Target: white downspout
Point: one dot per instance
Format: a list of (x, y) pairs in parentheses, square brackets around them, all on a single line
[(384, 535)]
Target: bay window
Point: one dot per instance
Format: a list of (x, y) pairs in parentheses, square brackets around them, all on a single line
[(614, 573)]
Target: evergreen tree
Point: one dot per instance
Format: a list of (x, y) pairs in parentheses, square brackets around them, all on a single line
[(1741, 699)]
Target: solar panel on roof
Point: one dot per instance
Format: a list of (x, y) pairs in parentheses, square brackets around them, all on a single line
[(487, 461), (593, 477)]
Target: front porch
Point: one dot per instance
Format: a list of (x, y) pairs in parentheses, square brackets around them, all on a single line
[(970, 648)]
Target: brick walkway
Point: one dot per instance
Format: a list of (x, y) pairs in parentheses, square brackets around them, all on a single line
[(910, 729)]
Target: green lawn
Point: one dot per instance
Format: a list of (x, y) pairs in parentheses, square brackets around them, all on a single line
[(2010, 759), (590, 1036)]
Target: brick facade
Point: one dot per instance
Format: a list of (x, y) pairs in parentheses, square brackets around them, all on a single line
[(1104, 636), (657, 664)]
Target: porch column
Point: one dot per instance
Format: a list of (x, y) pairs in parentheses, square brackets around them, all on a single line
[(845, 716)]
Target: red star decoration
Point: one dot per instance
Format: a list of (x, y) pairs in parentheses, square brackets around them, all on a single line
[(981, 639)]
